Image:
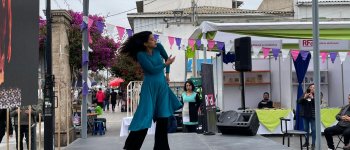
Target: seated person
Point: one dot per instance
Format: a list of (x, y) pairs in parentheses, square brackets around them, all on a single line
[(342, 127), (266, 102)]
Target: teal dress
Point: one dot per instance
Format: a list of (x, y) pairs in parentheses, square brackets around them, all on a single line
[(156, 98)]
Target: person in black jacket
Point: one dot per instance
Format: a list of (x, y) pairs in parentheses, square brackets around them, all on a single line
[(266, 102), (191, 103), (113, 99), (3, 119), (307, 112), (342, 127)]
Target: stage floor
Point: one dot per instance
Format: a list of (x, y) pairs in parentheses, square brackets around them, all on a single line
[(184, 141)]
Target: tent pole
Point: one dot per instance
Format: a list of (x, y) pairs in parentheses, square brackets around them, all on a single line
[(315, 29)]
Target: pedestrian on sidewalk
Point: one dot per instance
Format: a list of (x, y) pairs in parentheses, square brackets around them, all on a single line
[(106, 100), (113, 99), (157, 101), (100, 96)]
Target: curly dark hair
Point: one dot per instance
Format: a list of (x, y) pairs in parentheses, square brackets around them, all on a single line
[(135, 44), (191, 83)]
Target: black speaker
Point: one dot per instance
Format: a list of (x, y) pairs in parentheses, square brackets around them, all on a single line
[(245, 122), (243, 50)]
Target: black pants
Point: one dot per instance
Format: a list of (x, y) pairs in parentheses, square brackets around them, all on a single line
[(113, 106), (136, 138), (24, 132), (2, 130), (336, 130)]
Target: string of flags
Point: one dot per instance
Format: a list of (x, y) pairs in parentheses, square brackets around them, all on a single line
[(189, 45)]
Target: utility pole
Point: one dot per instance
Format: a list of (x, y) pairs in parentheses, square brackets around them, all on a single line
[(49, 108), (85, 69), (194, 60)]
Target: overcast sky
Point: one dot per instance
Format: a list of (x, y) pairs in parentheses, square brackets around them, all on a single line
[(104, 7)]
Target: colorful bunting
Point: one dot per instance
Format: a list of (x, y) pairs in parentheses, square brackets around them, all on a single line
[(190, 53), (221, 45), (276, 52), (129, 32), (171, 41), (89, 26), (285, 53), (266, 51), (205, 43), (156, 37), (294, 54), (342, 56), (211, 44), (229, 45), (121, 32), (304, 54), (199, 43), (333, 56), (178, 42), (100, 26), (191, 43), (323, 56), (256, 51)]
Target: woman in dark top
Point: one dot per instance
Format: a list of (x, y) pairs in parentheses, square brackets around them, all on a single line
[(307, 112), (191, 102)]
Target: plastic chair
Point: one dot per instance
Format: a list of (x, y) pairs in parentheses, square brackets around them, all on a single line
[(98, 128), (288, 133)]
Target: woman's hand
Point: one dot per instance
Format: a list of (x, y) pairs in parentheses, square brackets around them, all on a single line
[(170, 60)]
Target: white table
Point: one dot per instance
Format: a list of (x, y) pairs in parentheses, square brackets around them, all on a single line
[(263, 130), (126, 123)]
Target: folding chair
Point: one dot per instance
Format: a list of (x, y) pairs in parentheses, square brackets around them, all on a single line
[(341, 140), (288, 133)]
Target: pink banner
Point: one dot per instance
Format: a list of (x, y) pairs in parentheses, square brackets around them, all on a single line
[(324, 56), (266, 51), (171, 41), (121, 32), (349, 53), (295, 54), (211, 44), (191, 43)]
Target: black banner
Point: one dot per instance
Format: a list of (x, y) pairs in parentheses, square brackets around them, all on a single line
[(209, 98), (19, 49)]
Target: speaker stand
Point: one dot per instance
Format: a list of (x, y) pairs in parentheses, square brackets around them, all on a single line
[(242, 92)]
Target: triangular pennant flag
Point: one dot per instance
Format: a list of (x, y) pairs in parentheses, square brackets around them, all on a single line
[(324, 56), (129, 32), (121, 32), (294, 54), (89, 26), (171, 41), (276, 52), (333, 56), (211, 44), (285, 53), (221, 45), (304, 54), (256, 51), (156, 37), (266, 51), (342, 56), (229, 45), (100, 26), (190, 53), (110, 30), (178, 42), (191, 43), (199, 43), (184, 44)]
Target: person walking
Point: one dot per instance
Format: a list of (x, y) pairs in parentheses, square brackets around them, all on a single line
[(106, 100), (157, 101), (113, 99), (100, 96)]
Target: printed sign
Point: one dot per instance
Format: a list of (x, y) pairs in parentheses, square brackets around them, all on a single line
[(307, 44), (268, 44)]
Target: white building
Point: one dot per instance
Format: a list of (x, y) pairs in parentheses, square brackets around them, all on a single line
[(175, 18)]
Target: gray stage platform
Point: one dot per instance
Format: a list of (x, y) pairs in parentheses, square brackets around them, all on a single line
[(184, 141)]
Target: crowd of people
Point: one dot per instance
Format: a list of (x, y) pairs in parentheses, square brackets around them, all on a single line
[(110, 98)]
